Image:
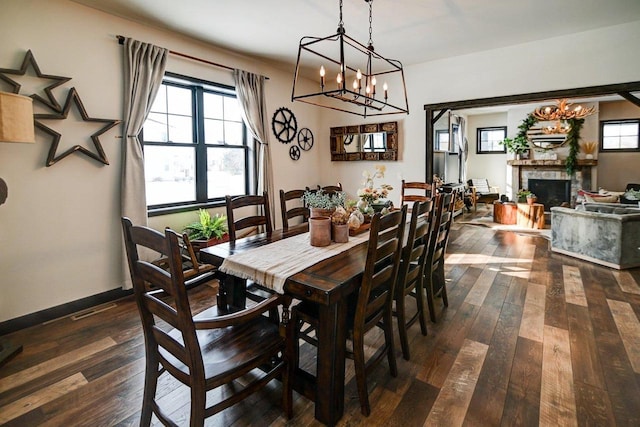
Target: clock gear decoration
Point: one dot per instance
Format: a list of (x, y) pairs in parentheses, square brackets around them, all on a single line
[(305, 139), (294, 152), (284, 125)]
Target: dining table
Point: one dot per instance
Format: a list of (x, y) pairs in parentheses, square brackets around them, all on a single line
[(325, 280)]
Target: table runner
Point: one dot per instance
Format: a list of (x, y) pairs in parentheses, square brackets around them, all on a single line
[(271, 264)]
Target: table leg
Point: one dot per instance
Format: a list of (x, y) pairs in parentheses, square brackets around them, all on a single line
[(232, 292), (331, 361)]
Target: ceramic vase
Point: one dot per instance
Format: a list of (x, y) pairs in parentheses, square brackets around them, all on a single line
[(340, 233), (320, 231)]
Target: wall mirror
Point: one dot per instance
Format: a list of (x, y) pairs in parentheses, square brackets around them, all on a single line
[(373, 141)]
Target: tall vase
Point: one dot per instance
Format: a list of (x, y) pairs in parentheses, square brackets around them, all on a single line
[(320, 231)]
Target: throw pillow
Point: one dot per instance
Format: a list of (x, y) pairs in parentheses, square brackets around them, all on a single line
[(593, 198)]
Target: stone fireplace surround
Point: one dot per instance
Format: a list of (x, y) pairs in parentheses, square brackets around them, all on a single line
[(522, 170)]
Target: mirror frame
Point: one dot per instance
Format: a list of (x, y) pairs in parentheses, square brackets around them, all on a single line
[(338, 152), (435, 111)]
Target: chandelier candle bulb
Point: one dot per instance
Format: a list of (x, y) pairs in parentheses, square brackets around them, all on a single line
[(322, 76), (385, 87)]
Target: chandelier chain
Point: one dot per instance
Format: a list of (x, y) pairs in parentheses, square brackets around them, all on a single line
[(341, 23), (370, 22)]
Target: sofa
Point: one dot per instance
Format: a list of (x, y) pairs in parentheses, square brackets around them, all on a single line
[(605, 234)]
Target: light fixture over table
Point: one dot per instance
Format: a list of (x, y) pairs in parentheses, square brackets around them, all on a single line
[(365, 83)]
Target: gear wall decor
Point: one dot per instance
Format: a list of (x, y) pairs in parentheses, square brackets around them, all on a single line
[(284, 125), (305, 139)]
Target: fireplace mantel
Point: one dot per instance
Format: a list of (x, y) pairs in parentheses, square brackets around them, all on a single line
[(550, 163), (583, 178)]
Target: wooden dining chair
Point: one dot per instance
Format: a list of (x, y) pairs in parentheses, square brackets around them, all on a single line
[(202, 352), (371, 306), (411, 272), (416, 192), (331, 189), (262, 216), (300, 210), (434, 278)]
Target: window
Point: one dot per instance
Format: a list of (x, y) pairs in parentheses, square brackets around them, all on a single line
[(442, 140), (489, 139), (195, 145), (620, 135)]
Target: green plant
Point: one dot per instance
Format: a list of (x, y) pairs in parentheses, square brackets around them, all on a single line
[(523, 193), (574, 147), (520, 143), (320, 199), (207, 227)]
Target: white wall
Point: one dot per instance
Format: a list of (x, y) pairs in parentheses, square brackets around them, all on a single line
[(490, 166), (60, 233)]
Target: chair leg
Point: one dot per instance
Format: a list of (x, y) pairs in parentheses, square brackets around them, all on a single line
[(421, 307), (429, 289), (388, 336), (402, 325), (443, 283), (291, 356), (198, 402), (361, 375), (150, 384)]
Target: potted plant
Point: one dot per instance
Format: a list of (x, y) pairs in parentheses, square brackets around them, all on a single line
[(208, 231), (322, 204), (522, 195), (531, 198), (339, 225), (517, 145)]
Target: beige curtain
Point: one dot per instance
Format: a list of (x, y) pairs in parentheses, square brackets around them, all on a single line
[(144, 66), (250, 90)]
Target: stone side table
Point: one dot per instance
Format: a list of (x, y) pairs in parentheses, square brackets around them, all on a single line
[(530, 216)]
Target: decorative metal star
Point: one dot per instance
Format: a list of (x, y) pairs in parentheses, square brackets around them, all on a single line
[(51, 101), (73, 96)]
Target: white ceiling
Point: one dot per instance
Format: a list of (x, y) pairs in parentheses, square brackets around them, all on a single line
[(411, 31)]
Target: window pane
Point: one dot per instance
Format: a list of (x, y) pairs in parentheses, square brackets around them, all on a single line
[(610, 143), (169, 174), (213, 131), (628, 142), (225, 171), (233, 133), (179, 100), (213, 106), (611, 130), (155, 128), (490, 138), (628, 129), (232, 109), (180, 129), (160, 103)]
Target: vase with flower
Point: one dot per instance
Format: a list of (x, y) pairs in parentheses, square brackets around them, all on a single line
[(372, 198)]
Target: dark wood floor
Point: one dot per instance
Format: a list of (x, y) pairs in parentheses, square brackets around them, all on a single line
[(529, 338)]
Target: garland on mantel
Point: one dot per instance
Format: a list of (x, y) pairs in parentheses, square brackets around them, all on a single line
[(573, 136)]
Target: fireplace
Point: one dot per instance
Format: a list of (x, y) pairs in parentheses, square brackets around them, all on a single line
[(551, 192)]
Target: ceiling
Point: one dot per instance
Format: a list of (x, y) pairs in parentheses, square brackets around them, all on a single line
[(411, 31)]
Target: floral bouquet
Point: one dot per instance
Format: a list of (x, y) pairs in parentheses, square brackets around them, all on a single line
[(370, 194)]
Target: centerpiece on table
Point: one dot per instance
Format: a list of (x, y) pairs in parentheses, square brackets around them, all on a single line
[(374, 199), (323, 204)]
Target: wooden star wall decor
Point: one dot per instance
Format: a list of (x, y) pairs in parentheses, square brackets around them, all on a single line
[(53, 157), (29, 59), (61, 112)]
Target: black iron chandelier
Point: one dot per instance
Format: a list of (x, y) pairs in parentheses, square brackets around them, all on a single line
[(359, 71)]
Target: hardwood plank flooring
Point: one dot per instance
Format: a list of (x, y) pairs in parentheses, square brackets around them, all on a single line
[(530, 337)]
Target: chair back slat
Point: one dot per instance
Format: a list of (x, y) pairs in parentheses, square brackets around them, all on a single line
[(261, 218), (297, 211), (413, 191)]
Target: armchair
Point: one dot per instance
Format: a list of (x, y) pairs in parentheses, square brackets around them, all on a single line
[(482, 192)]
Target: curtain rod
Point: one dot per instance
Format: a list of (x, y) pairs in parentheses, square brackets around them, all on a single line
[(184, 55)]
